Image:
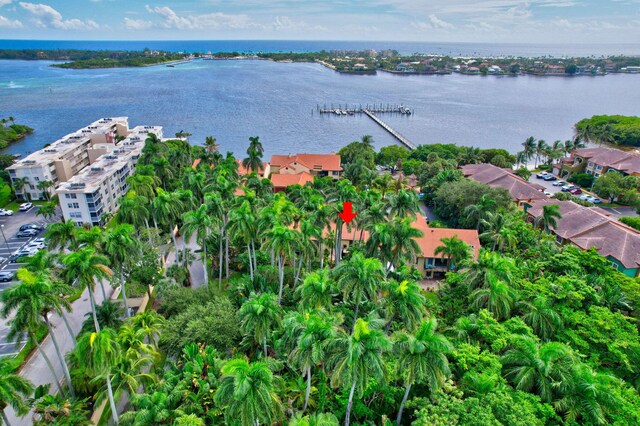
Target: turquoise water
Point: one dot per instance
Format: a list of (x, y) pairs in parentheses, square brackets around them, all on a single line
[(233, 100)]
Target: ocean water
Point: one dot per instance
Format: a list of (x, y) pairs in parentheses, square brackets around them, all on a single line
[(233, 100), (254, 46)]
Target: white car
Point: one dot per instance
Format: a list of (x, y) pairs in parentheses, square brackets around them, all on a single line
[(594, 200), (547, 193), (5, 212), (585, 197), (36, 245), (559, 183), (26, 251), (26, 207)]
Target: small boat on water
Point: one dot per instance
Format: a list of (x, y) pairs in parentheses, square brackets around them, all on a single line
[(171, 66)]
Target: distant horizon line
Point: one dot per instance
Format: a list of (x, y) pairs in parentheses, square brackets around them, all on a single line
[(329, 41)]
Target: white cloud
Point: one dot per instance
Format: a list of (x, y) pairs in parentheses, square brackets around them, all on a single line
[(5, 2), (200, 22), (48, 17), (284, 23), (8, 23), (137, 24), (434, 23)]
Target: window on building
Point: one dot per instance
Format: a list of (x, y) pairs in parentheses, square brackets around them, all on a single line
[(75, 215), (590, 164), (614, 265), (599, 168), (73, 205), (37, 179)]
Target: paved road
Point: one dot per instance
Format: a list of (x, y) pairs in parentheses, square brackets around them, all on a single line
[(36, 369), (197, 273)]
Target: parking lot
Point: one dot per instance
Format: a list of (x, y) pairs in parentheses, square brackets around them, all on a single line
[(9, 244)]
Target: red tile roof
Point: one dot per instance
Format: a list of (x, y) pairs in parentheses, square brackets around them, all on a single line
[(628, 162), (503, 178), (282, 181), (326, 162), (242, 170)]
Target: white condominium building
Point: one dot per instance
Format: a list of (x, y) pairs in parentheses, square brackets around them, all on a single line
[(95, 191), (64, 158)]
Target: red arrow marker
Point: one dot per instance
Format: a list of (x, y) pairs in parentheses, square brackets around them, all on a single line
[(347, 214)]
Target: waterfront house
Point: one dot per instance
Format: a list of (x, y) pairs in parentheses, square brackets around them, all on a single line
[(523, 192), (262, 173), (587, 227), (599, 160), (319, 165), (280, 182), (405, 67)]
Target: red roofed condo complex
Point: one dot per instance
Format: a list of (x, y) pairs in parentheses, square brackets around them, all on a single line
[(287, 170)]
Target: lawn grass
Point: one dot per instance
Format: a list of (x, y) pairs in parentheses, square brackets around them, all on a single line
[(15, 204)]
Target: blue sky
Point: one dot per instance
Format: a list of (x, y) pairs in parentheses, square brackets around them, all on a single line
[(534, 21)]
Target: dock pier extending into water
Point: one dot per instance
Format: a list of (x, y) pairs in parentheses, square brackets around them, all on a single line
[(371, 111)]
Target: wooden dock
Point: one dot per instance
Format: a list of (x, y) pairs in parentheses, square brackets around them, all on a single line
[(406, 142)]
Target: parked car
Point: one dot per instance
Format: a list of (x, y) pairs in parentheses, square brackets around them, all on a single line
[(549, 178), (27, 233), (5, 212), (541, 175), (35, 226), (594, 200), (36, 245), (559, 183), (25, 207), (547, 193), (585, 197), (15, 258), (567, 188), (6, 276), (575, 191)]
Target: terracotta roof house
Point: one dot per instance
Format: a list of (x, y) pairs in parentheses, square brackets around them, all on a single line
[(523, 192), (263, 173), (316, 164), (429, 264), (599, 160), (587, 227), (280, 182)]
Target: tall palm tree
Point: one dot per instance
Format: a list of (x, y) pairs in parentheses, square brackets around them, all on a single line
[(134, 210), (317, 290), (86, 267), (47, 210), (305, 339), (403, 302), (210, 145), (62, 235), (259, 315), (150, 324), (529, 146), (454, 250), (489, 267), (422, 359), (549, 217), (33, 299), (405, 247), (243, 224), (166, 208), (367, 142), (14, 389), (356, 359), (99, 352), (247, 392), (253, 162), (44, 186), (537, 368), (477, 212), (19, 184), (164, 170), (403, 203), (124, 250), (360, 279), (92, 237), (143, 185), (497, 230), (314, 419), (199, 222), (283, 241), (541, 147)]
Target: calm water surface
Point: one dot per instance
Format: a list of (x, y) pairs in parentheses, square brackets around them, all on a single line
[(233, 100)]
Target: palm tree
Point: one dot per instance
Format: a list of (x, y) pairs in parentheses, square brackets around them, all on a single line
[(133, 209), (422, 359), (314, 419), (367, 142), (498, 298), (199, 222), (454, 250), (150, 323), (62, 235), (167, 207), (247, 392), (19, 185), (541, 317), (317, 290), (33, 299), (164, 170), (541, 147), (210, 145), (537, 368), (360, 279), (548, 217), (497, 230), (357, 358), (305, 339), (243, 224), (86, 266), (477, 212), (403, 302), (254, 160), (588, 396), (124, 250), (403, 203), (529, 146), (92, 237), (109, 315), (283, 241), (13, 389), (143, 185), (99, 352), (259, 315), (47, 211), (490, 267), (405, 247)]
